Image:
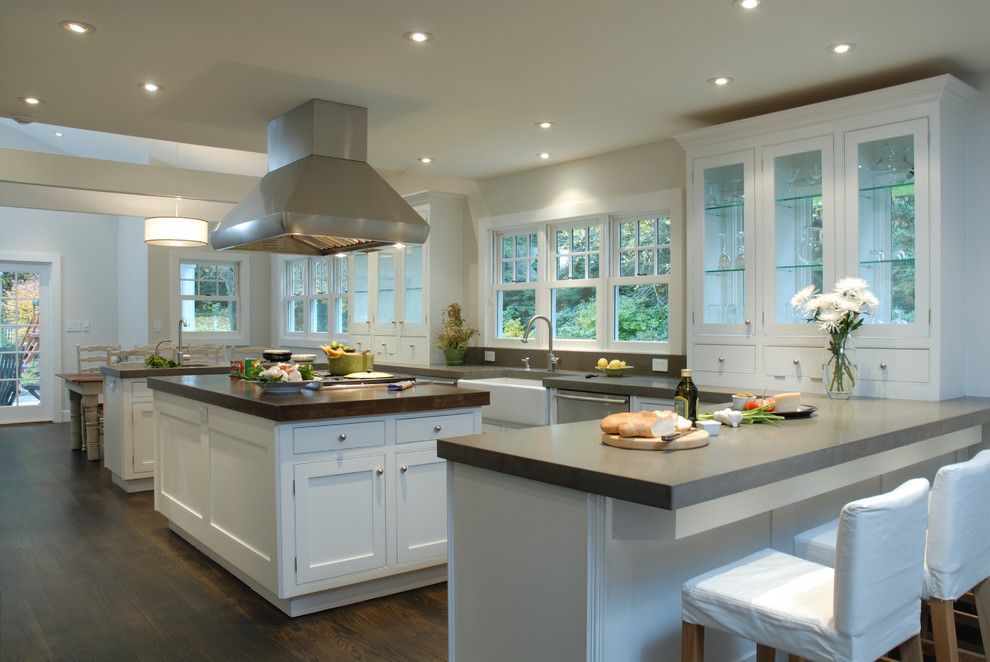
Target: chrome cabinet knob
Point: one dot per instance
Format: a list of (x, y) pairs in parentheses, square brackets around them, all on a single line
[(403, 468), (748, 322), (883, 365), (379, 471), (721, 359), (437, 427), (796, 361), (342, 436)]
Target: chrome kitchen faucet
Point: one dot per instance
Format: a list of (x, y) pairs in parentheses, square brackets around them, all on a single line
[(552, 360)]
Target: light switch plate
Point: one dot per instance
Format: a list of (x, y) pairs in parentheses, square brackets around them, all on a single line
[(660, 365), (73, 326), (85, 326), (489, 355)]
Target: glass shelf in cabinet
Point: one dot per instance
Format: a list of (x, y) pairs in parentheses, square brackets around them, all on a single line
[(799, 198), (886, 187), (903, 260), (791, 267), (733, 270), (733, 205)]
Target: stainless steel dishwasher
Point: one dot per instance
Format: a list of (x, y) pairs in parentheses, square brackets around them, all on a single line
[(573, 406)]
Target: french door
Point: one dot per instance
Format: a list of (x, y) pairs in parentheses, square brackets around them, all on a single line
[(26, 389)]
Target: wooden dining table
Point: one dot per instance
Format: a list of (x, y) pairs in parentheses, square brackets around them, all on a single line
[(85, 389)]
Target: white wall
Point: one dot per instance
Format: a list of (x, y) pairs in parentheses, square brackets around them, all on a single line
[(87, 244), (132, 282), (978, 241)]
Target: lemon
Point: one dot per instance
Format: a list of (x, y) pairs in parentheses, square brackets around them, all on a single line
[(622, 364), (614, 363), (603, 362)]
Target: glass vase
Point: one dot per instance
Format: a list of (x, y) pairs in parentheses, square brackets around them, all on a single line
[(839, 371)]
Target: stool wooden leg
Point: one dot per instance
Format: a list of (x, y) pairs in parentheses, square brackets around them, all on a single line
[(765, 653), (75, 420), (692, 642), (944, 630), (910, 650), (982, 595)]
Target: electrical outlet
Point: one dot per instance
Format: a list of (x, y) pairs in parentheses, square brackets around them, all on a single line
[(85, 326), (489, 355), (659, 365)]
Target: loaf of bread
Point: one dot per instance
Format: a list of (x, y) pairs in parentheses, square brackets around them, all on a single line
[(650, 424)]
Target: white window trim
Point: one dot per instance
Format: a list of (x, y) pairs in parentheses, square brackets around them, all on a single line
[(598, 283), (666, 202), (243, 297), (307, 339)]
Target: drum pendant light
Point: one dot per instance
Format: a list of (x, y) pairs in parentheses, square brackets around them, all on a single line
[(176, 230)]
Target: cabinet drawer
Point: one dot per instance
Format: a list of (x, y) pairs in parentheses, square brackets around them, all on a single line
[(794, 362), (725, 358), (900, 365), (415, 350), (139, 389), (359, 342), (339, 436), (431, 427)]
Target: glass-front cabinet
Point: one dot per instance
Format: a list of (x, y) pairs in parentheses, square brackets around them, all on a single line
[(800, 206), (389, 291), (724, 191), (887, 168)]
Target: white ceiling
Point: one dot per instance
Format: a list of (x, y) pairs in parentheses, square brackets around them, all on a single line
[(611, 74)]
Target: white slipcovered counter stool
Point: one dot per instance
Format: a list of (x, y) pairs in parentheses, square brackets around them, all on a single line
[(957, 559), (869, 604)]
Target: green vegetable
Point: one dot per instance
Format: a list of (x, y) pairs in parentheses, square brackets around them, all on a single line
[(758, 415), (157, 361), (307, 372)]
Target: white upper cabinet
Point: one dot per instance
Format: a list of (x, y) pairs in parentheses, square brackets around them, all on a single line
[(872, 186)]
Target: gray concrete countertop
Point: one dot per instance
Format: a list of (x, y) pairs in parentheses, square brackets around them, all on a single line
[(140, 373), (572, 455)]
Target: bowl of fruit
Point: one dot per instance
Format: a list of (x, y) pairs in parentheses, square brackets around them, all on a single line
[(343, 359), (613, 368)]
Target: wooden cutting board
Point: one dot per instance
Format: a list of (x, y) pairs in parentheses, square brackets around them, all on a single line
[(695, 439)]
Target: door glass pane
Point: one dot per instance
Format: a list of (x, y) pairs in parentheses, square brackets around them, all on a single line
[(724, 284), (574, 313), (641, 313), (798, 232), (385, 310), (515, 308), (887, 227), (360, 313), (20, 360), (413, 293)]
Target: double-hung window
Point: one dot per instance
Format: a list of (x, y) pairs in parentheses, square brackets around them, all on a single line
[(517, 273), (313, 297), (210, 297), (575, 284), (640, 279)]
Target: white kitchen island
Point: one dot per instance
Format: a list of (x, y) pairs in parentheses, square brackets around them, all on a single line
[(315, 499), (562, 548)]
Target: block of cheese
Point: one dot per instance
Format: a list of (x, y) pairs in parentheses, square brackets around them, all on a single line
[(787, 402)]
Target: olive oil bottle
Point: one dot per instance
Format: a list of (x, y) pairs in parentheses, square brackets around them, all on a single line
[(686, 397)]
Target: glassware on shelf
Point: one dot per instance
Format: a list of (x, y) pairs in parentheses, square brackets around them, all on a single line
[(740, 261), (723, 258)]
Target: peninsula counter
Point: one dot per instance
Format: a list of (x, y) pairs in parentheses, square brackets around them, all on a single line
[(315, 499), (562, 548)]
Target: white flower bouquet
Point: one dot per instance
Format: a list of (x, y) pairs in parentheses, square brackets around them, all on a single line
[(839, 312)]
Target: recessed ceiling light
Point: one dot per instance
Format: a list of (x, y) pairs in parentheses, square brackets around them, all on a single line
[(418, 36), (425, 159), (747, 4), (78, 27), (58, 134), (544, 155), (841, 49), (399, 245), (32, 101), (150, 87), (720, 81), (545, 124)]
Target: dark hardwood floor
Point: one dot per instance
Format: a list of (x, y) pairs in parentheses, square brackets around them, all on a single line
[(88, 572)]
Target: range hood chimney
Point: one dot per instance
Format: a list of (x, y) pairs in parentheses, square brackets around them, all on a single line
[(320, 196)]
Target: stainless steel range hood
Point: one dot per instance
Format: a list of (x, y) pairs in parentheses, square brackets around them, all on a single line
[(319, 196)]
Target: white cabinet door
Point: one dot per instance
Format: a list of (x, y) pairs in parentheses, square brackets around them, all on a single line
[(142, 438), (421, 513), (340, 517)]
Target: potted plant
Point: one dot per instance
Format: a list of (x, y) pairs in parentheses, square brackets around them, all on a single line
[(455, 334), (840, 312)]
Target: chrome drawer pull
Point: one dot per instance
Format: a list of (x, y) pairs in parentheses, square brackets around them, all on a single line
[(796, 361), (403, 468), (883, 365), (379, 471), (437, 427), (343, 436)]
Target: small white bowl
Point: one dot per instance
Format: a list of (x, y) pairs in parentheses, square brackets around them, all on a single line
[(303, 358), (739, 401)]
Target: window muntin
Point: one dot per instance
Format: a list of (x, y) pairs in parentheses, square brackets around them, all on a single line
[(518, 257), (209, 296), (577, 252), (312, 288), (516, 275), (640, 279)]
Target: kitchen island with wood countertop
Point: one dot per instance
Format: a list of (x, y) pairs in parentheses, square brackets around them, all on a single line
[(598, 540), (313, 499)]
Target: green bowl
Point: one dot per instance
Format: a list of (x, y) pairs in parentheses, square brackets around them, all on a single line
[(351, 362)]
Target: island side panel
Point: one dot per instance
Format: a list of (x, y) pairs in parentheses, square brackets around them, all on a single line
[(216, 480)]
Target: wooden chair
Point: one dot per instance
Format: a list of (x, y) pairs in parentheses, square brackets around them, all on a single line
[(957, 558), (90, 358), (869, 604), (211, 354)]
